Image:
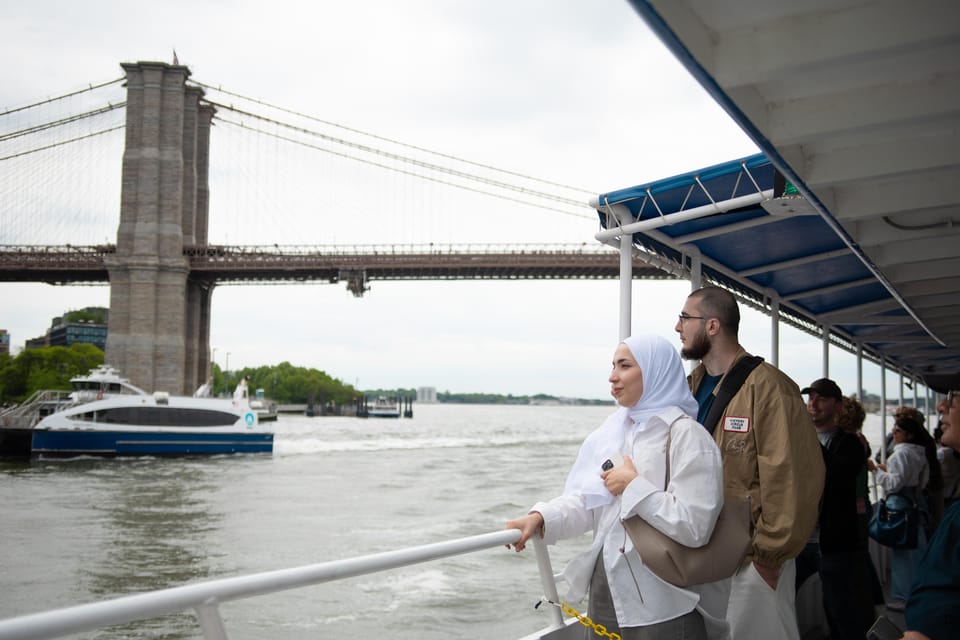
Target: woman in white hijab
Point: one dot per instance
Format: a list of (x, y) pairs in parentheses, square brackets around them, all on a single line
[(649, 384)]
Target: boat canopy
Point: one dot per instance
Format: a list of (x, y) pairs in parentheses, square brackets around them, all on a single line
[(848, 221)]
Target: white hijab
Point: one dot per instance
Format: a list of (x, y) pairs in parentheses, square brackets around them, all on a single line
[(664, 386)]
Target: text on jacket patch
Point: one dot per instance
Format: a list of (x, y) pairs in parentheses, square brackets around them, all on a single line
[(736, 424)]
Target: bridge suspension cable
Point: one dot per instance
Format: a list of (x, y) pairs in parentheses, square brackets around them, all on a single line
[(56, 123), (60, 161), (519, 189), (61, 143), (91, 87), (390, 140)]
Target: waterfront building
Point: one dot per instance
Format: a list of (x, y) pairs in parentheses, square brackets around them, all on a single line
[(426, 394), (86, 326)]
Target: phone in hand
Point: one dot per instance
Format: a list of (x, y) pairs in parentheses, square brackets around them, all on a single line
[(613, 461)]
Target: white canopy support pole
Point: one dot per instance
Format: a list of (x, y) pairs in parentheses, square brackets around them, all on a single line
[(883, 554), (883, 409), (626, 285), (681, 216), (900, 375), (916, 394), (618, 218), (774, 330), (696, 281), (826, 350), (860, 371), (696, 269)]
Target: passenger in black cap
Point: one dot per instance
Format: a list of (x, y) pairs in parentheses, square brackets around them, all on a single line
[(836, 548)]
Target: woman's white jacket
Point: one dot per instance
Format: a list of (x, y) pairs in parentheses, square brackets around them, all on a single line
[(906, 467), (687, 512)]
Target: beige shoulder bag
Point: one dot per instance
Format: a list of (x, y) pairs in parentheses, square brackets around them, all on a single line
[(685, 566)]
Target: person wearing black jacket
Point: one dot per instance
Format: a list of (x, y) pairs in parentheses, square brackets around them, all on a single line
[(842, 547)]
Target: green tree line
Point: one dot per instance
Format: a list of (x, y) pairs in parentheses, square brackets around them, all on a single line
[(44, 368), (485, 398), (287, 384), (52, 368)]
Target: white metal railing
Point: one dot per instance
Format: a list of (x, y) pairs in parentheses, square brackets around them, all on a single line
[(28, 413), (205, 597)]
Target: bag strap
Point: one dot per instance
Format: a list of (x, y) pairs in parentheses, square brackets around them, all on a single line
[(666, 473), (729, 387)]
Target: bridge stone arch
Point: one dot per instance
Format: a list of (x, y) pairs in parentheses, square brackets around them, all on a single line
[(159, 327)]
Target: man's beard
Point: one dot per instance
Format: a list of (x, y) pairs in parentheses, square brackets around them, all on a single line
[(699, 348)]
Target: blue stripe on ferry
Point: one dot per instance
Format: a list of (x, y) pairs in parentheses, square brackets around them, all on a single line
[(128, 443)]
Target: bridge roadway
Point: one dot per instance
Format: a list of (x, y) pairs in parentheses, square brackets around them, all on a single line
[(355, 264)]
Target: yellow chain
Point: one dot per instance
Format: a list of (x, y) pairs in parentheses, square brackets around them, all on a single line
[(598, 629)]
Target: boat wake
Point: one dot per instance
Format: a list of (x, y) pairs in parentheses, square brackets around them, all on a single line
[(285, 444)]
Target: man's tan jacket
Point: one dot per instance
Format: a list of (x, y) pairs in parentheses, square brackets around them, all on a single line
[(771, 454)]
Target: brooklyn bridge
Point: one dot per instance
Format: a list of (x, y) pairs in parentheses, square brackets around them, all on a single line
[(161, 267)]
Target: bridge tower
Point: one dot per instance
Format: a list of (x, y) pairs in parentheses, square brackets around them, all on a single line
[(159, 327)]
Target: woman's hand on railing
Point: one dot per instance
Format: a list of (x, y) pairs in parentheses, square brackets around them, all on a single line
[(528, 525)]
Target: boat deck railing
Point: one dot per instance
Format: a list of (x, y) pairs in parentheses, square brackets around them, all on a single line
[(28, 413), (204, 598)]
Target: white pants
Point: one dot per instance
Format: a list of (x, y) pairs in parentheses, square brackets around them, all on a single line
[(757, 612)]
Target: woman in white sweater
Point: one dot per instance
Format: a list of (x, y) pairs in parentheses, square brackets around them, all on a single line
[(649, 384), (906, 472)]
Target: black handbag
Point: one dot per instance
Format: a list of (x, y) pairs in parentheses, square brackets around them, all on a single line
[(896, 522)]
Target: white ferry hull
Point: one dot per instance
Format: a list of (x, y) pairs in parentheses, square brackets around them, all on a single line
[(148, 425)]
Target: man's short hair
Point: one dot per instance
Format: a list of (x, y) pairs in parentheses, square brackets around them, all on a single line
[(714, 302)]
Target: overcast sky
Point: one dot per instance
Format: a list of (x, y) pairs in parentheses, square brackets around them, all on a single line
[(580, 93)]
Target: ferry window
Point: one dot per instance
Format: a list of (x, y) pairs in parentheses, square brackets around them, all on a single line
[(166, 416)]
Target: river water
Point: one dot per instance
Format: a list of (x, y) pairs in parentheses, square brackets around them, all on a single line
[(86, 529)]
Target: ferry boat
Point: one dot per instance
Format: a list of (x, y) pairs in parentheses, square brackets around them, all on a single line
[(384, 407), (266, 409), (106, 415)]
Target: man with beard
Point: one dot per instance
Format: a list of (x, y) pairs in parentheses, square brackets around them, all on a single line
[(770, 454)]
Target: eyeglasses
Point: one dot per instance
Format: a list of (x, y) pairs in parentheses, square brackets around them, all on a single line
[(684, 317)]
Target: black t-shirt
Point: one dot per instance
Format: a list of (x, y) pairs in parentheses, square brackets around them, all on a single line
[(704, 395)]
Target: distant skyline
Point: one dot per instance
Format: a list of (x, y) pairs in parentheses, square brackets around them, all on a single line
[(799, 353), (577, 93)]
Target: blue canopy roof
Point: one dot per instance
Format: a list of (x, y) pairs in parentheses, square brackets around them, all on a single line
[(774, 247), (866, 126)]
